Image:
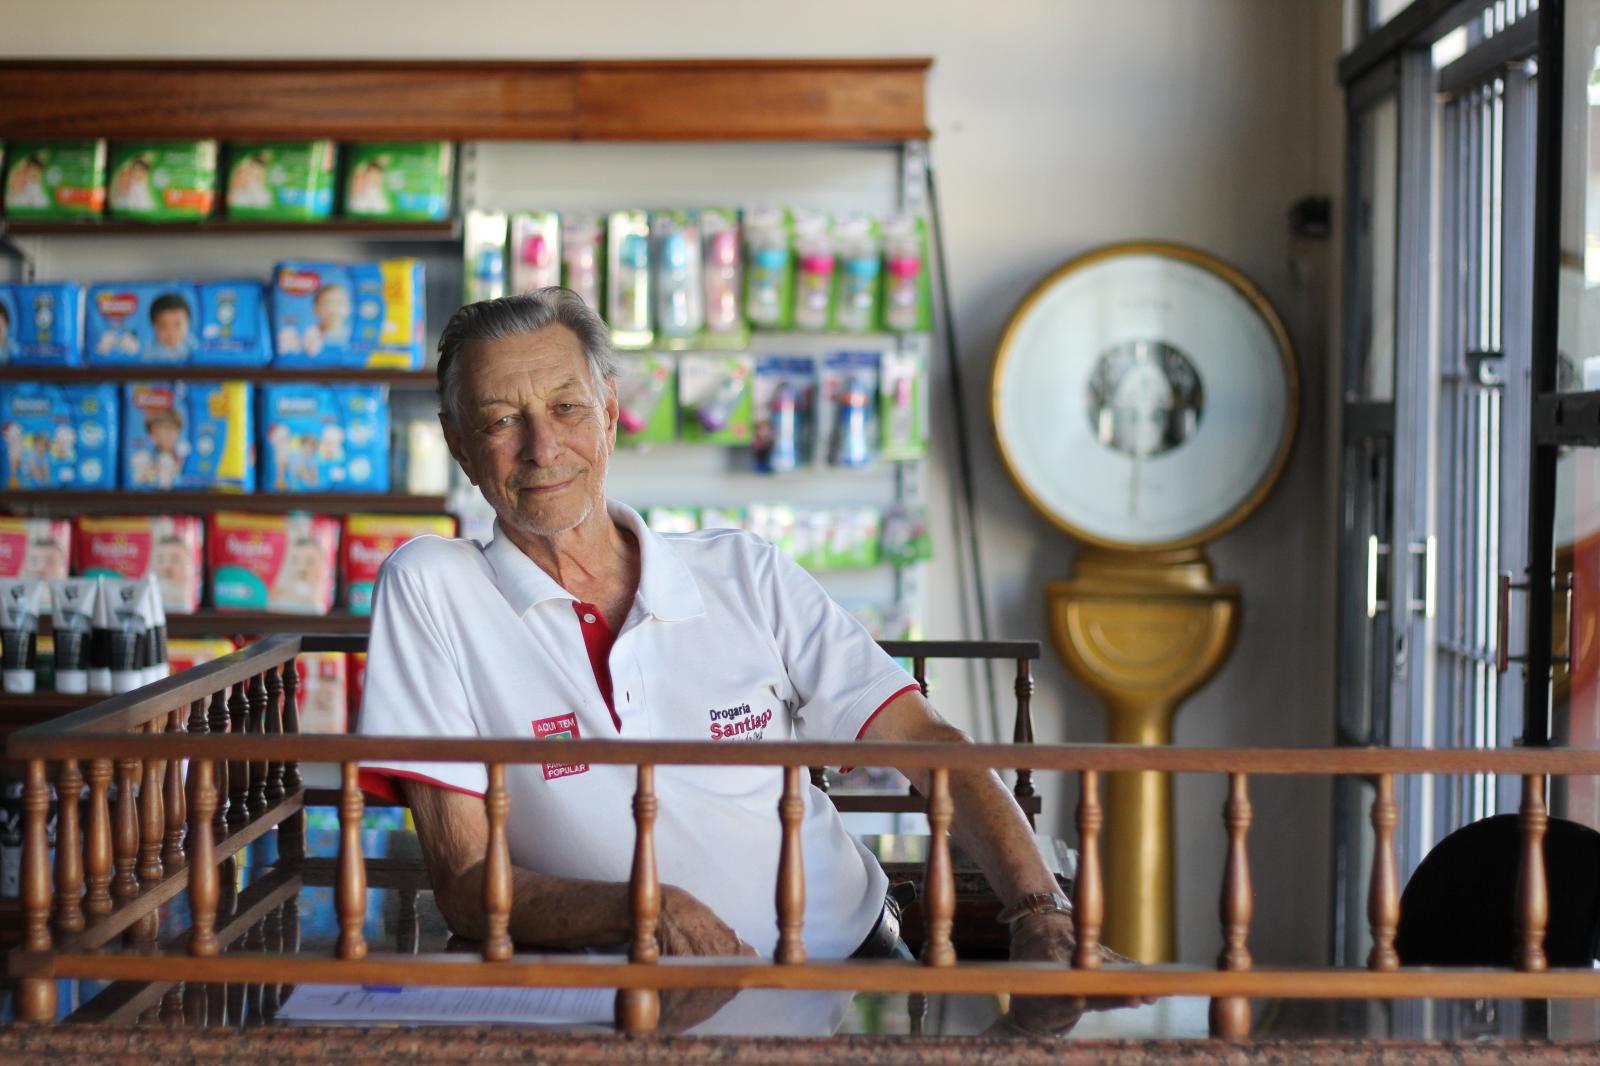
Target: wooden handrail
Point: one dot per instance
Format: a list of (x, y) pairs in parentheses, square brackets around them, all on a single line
[(235, 725), (1319, 762)]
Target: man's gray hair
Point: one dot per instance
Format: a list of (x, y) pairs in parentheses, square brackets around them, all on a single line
[(517, 316)]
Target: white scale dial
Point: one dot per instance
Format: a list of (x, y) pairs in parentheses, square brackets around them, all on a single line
[(1145, 397)]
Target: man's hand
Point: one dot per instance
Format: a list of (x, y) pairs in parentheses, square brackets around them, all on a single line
[(1049, 937), (688, 927)]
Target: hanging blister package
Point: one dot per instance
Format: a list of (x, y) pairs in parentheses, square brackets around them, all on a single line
[(628, 269), (646, 404), (675, 250), (535, 254), (785, 410), (903, 406), (850, 392), (484, 244), (905, 538), (714, 398), (814, 261), (769, 268), (722, 266), (856, 282), (583, 256), (907, 294)]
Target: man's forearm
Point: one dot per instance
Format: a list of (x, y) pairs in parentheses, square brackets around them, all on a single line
[(546, 912), (990, 829)]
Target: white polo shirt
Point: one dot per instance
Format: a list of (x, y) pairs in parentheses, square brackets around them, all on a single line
[(726, 640)]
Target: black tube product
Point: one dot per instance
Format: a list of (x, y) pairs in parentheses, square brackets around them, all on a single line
[(156, 666), (20, 600), (128, 631), (73, 629)]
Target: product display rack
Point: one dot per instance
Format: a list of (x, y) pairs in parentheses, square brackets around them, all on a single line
[(776, 107)]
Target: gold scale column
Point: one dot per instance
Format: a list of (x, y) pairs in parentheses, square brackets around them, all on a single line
[(1143, 632)]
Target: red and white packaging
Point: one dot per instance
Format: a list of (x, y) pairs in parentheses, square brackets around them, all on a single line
[(358, 684), (35, 547), (185, 653), (170, 546), (284, 563), (324, 698)]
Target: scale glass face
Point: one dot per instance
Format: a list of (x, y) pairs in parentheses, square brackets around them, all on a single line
[(1145, 397)]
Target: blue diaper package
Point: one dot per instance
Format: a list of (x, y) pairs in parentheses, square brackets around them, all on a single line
[(48, 327), (233, 325), (188, 435), (8, 325), (58, 436), (141, 323), (325, 438), (362, 315)]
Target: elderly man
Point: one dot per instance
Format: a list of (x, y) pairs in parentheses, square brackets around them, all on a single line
[(577, 620)]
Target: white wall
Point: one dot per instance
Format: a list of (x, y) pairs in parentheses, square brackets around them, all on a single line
[(1059, 125)]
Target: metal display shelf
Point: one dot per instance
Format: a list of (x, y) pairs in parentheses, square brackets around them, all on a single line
[(55, 502), (92, 375), (446, 230)]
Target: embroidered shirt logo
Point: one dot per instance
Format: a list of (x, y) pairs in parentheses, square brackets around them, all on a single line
[(562, 726)]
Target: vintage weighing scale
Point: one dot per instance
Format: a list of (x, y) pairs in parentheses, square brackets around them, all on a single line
[(1145, 401)]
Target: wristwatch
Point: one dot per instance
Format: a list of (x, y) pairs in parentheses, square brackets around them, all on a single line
[(1034, 903)]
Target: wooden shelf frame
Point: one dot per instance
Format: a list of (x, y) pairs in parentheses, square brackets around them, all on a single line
[(840, 99), (94, 375), (57, 502), (447, 231)]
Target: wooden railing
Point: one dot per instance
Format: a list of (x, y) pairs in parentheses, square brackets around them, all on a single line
[(234, 722)]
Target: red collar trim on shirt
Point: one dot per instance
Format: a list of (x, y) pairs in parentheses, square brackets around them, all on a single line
[(597, 641)]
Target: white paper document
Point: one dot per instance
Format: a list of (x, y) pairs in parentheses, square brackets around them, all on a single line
[(379, 1004)]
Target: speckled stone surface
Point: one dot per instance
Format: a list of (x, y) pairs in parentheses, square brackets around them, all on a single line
[(146, 1045)]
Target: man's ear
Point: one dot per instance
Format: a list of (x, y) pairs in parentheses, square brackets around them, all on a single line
[(613, 413), (458, 449)]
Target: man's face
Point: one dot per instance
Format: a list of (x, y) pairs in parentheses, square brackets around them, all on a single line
[(532, 431), (172, 327)]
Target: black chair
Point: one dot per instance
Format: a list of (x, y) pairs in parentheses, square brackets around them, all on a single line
[(1458, 909)]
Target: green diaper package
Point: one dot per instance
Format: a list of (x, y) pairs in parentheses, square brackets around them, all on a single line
[(281, 181), (55, 179), (398, 181), (163, 181)]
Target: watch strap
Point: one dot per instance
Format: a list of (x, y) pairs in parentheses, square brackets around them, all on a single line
[(1034, 903)]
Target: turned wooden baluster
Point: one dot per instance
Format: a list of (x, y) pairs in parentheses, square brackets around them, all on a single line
[(1230, 1017), (177, 808), (152, 813), (275, 789), (97, 845), (1383, 894), (1023, 733), (919, 671), (791, 872), (819, 778), (36, 996), (171, 1012), (205, 889), (256, 700), (497, 946), (639, 1009), (350, 895), (255, 943), (939, 880), (238, 769), (272, 940), (292, 830), (194, 1005), (69, 849), (1533, 899), (1088, 891), (125, 841), (218, 724)]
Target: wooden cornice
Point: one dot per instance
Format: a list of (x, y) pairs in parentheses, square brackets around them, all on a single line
[(873, 100)]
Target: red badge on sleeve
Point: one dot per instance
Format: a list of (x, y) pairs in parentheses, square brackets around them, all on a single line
[(562, 725)]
